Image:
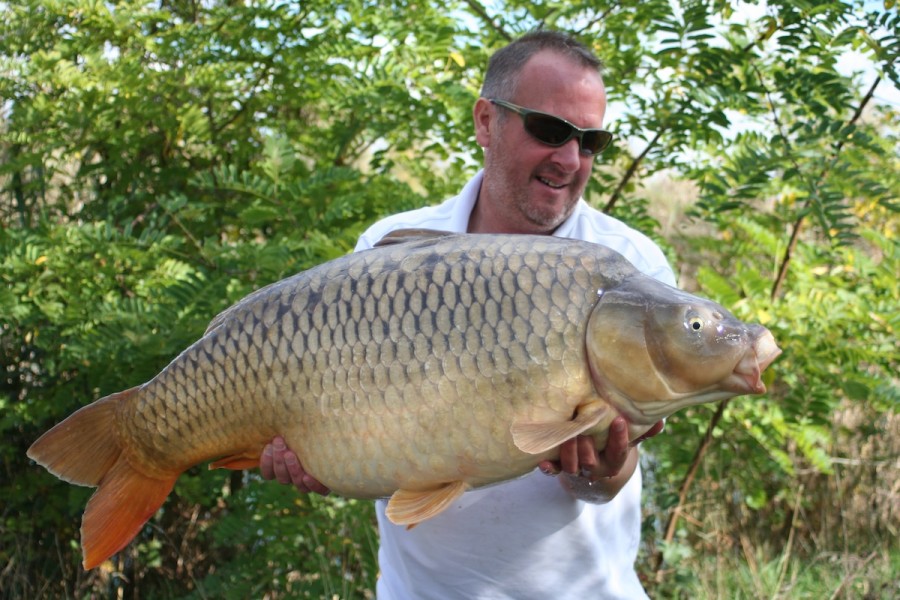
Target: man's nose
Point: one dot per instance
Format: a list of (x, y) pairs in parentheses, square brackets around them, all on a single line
[(568, 156)]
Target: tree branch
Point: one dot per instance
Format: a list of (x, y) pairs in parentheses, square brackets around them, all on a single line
[(598, 18), (798, 223), (481, 12), (632, 170), (688, 481)]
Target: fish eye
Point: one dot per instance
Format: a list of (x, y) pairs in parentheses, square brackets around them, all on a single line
[(695, 323)]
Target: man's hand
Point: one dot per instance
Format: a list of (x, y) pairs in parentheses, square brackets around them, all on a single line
[(598, 476), (279, 462)]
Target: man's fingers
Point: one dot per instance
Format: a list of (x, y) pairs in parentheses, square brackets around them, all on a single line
[(266, 468), (587, 453), (656, 429), (281, 463), (548, 467), (568, 457), (281, 472), (613, 457), (311, 484)]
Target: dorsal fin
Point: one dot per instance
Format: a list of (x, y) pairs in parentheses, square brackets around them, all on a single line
[(401, 236)]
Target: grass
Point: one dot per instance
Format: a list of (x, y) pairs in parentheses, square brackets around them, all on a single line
[(755, 573)]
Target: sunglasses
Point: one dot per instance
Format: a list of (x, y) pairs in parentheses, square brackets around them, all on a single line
[(555, 131)]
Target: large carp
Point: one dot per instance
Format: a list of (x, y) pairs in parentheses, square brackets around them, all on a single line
[(417, 370)]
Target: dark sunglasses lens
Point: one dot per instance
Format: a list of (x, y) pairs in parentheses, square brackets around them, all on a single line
[(556, 132), (595, 141), (547, 129)]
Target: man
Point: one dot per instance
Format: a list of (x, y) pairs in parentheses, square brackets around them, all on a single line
[(575, 536)]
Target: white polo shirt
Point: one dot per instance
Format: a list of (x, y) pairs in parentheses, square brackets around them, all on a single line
[(526, 538)]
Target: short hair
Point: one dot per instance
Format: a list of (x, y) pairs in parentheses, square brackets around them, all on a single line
[(505, 65)]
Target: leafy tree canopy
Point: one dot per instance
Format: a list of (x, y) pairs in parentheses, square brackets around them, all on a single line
[(159, 160)]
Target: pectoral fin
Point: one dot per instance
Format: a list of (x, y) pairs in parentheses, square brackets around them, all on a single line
[(407, 507), (535, 438)]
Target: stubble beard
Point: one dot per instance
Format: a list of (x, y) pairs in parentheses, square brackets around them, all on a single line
[(543, 214), (521, 207)]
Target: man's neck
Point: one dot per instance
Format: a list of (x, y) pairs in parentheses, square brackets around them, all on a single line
[(482, 221)]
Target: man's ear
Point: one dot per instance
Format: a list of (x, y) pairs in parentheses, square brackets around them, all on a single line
[(484, 116)]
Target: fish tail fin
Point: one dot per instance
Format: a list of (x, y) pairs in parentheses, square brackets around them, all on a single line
[(125, 500), (85, 450), (84, 447)]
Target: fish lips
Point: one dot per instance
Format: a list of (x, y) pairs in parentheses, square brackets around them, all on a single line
[(747, 375)]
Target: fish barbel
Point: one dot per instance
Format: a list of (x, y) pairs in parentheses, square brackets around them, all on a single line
[(433, 364)]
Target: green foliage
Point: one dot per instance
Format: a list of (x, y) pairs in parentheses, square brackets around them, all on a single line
[(158, 161), (283, 544)]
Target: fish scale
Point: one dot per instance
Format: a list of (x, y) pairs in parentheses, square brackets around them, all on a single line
[(431, 365)]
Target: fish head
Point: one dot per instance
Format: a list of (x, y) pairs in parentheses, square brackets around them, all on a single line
[(654, 349)]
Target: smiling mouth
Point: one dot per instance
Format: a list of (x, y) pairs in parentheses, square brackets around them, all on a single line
[(548, 183)]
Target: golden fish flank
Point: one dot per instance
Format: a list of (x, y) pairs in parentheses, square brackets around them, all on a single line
[(415, 370)]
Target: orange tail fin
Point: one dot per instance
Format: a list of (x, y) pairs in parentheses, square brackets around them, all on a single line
[(85, 450)]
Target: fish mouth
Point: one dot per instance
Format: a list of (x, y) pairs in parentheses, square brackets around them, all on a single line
[(746, 377)]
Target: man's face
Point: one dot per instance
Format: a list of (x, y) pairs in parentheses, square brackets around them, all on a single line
[(530, 187)]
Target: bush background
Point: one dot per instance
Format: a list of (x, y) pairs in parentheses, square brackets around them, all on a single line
[(159, 160)]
